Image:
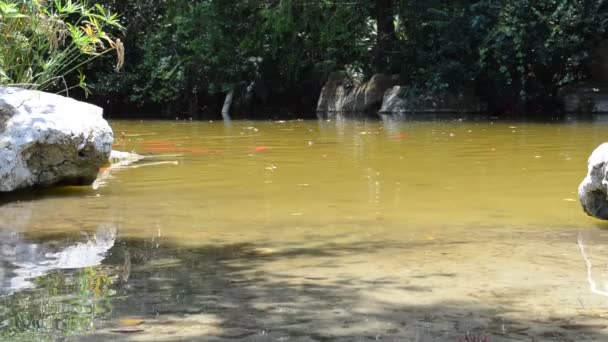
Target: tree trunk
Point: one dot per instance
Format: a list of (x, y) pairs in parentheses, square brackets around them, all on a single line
[(385, 44), (227, 105)]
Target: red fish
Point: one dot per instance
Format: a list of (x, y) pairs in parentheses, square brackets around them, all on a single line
[(401, 136), (261, 148)]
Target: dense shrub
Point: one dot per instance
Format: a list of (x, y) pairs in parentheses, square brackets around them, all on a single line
[(43, 44), (184, 56)]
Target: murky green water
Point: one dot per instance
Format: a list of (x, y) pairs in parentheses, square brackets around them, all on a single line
[(315, 231)]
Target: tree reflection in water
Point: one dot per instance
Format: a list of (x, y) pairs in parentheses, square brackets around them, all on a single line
[(51, 287), (226, 293)]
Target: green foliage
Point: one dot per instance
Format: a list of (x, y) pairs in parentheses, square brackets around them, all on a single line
[(184, 53), (535, 47), (202, 48), (295, 37), (43, 43), (198, 49), (517, 51)]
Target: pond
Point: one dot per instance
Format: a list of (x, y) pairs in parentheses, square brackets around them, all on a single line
[(315, 231)]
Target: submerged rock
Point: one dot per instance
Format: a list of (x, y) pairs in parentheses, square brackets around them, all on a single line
[(47, 139), (124, 158), (593, 191), (118, 161)]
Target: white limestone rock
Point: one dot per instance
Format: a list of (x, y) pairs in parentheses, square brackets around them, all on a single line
[(47, 139), (593, 191), (124, 158), (342, 94)]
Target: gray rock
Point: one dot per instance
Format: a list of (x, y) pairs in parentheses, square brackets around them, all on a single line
[(401, 100), (343, 94), (394, 101), (593, 191), (334, 91), (47, 139), (586, 97)]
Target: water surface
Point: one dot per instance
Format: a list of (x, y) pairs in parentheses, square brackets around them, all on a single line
[(315, 231)]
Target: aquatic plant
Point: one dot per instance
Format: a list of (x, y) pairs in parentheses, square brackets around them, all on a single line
[(44, 44)]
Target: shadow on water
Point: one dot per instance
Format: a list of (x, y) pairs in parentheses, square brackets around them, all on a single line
[(232, 292), (603, 225), (227, 293), (45, 193)]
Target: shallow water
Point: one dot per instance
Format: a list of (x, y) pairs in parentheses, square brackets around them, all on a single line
[(315, 231)]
